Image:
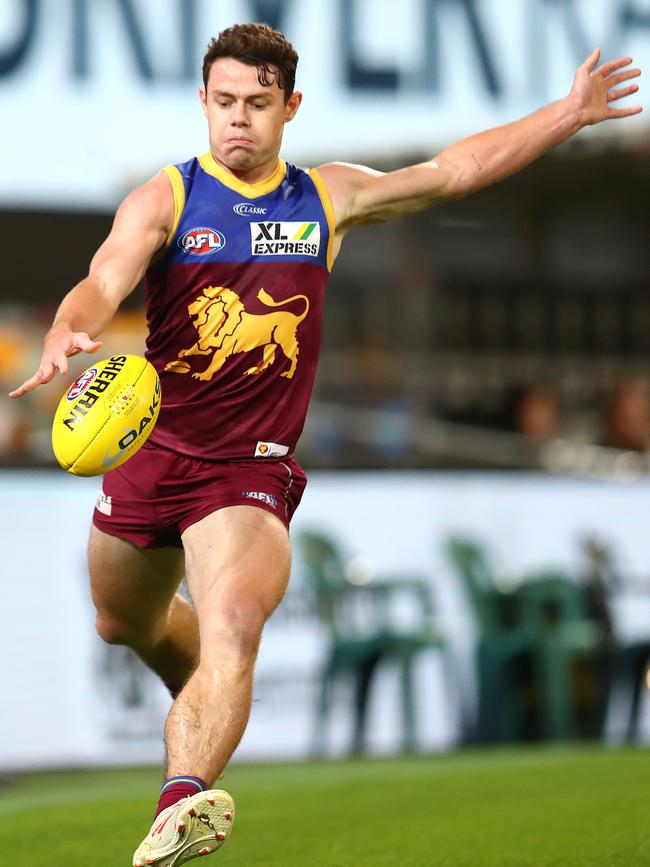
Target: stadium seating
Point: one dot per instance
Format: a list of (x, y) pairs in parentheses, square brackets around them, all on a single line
[(553, 609), (503, 648), (530, 642), (362, 633)]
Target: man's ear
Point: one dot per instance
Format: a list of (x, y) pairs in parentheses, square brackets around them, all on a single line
[(204, 100), (292, 106)]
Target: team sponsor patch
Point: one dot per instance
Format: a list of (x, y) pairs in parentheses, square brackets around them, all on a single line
[(202, 241), (285, 239), (270, 450), (246, 209), (262, 496), (104, 503), (85, 381)]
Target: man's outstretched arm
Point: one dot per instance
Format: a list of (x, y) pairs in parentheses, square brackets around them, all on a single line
[(141, 225), (360, 195)]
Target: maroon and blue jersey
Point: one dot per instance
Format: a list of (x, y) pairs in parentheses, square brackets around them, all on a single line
[(234, 308)]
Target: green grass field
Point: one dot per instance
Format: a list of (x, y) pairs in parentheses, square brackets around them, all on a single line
[(547, 808)]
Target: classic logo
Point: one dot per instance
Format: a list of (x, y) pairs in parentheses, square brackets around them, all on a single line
[(270, 450), (245, 209), (225, 328), (285, 239), (202, 241), (85, 381)]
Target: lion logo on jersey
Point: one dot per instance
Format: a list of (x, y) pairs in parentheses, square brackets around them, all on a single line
[(226, 328)]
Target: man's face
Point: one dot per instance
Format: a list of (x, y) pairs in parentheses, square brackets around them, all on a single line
[(245, 119)]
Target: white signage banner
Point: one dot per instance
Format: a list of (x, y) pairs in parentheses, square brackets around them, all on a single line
[(97, 95), (70, 699)]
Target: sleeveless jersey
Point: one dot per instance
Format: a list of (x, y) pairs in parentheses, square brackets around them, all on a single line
[(234, 309)]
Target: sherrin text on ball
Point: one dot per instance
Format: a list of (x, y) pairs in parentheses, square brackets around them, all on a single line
[(106, 415)]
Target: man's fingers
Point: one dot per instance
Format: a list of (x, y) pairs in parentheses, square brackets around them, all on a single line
[(47, 371), (85, 344), (625, 112), (592, 60), (22, 389), (612, 65), (43, 374), (79, 342), (623, 91), (613, 80)]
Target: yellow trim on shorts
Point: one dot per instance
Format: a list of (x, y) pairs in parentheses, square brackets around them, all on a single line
[(178, 189), (326, 202), (251, 191)]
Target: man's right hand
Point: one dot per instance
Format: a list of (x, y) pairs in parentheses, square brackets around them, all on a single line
[(59, 346)]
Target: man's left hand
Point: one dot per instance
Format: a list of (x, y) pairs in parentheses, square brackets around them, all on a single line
[(595, 89)]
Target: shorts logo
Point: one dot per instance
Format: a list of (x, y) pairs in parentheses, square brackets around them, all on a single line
[(270, 450), (85, 381), (202, 241), (285, 239), (269, 499), (245, 209), (104, 503)]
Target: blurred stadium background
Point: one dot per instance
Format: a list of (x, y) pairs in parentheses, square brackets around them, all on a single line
[(472, 556)]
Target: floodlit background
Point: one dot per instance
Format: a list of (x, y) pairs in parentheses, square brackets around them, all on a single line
[(472, 555)]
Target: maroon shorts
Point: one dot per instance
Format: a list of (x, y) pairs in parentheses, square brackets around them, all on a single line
[(157, 494)]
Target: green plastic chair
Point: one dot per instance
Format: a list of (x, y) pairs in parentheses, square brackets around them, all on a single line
[(362, 634), (553, 607), (504, 646), (623, 673)]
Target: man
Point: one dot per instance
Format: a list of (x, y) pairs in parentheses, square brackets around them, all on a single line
[(235, 247)]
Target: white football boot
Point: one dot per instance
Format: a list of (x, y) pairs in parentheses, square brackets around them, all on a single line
[(196, 825)]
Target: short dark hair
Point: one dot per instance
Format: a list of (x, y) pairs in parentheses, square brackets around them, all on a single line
[(257, 45)]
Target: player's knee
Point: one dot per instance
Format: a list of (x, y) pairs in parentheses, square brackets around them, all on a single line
[(236, 631), (111, 629), (117, 630)]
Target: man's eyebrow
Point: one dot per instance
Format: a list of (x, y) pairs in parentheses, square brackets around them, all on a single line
[(259, 95)]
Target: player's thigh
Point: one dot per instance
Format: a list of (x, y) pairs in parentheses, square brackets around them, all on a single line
[(131, 587), (237, 563)]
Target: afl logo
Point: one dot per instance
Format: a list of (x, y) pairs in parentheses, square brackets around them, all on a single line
[(202, 241), (84, 382)]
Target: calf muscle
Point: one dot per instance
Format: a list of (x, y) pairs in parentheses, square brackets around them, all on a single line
[(134, 592)]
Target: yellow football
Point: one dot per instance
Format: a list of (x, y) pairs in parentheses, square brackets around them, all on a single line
[(106, 415)]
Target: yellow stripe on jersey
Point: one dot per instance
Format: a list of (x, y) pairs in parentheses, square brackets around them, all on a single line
[(178, 189), (326, 202), (251, 191)]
